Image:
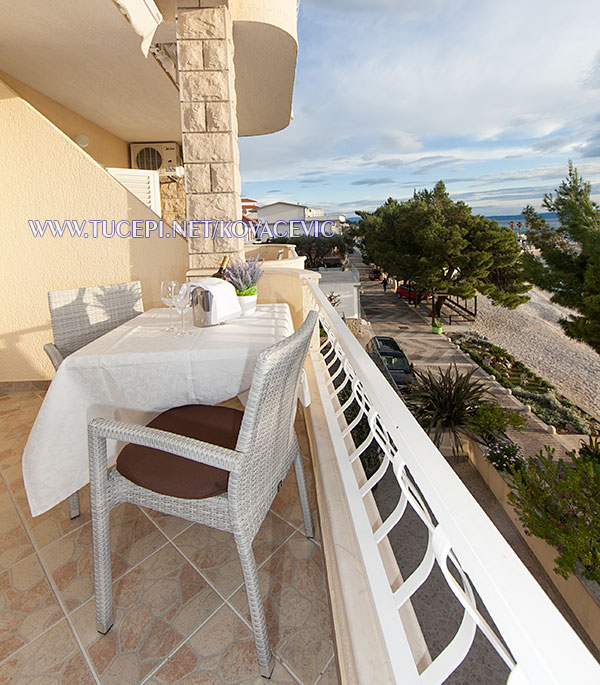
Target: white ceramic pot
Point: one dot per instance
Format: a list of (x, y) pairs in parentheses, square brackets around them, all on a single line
[(248, 304)]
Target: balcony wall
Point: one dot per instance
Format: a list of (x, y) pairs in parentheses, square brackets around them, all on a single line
[(107, 149), (48, 176), (269, 252)]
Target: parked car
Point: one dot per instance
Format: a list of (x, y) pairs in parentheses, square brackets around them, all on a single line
[(393, 359), (409, 292), (375, 275)]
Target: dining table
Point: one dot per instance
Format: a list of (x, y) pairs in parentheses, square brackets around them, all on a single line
[(132, 373)]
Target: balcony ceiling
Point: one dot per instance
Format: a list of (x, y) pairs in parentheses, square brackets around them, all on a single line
[(60, 48)]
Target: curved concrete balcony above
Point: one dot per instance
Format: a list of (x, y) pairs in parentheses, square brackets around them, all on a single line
[(265, 51), (266, 48)]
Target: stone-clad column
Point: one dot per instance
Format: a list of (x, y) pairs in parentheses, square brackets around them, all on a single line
[(209, 125)]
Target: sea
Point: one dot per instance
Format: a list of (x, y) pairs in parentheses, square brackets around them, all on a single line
[(503, 219)]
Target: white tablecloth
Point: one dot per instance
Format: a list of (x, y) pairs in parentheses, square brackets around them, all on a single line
[(131, 374)]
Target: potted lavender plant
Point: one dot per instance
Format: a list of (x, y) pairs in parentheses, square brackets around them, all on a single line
[(244, 276)]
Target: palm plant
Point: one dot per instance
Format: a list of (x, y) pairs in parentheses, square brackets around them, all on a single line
[(446, 403)]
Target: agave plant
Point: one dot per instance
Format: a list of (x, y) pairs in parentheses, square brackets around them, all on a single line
[(244, 275), (446, 402)]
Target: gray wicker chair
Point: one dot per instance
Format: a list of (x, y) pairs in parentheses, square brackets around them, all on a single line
[(83, 314), (212, 465)]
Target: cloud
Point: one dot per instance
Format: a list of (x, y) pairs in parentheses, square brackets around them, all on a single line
[(408, 8), (534, 125), (391, 162), (401, 141), (521, 193), (311, 181), (427, 164), (556, 144), (591, 148), (373, 181), (592, 80), (409, 87)]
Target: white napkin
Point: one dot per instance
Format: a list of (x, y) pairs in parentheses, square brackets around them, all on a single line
[(225, 303)]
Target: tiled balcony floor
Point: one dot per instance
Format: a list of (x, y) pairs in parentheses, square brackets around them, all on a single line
[(181, 613)]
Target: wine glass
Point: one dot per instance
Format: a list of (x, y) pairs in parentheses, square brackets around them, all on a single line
[(168, 290), (182, 300)]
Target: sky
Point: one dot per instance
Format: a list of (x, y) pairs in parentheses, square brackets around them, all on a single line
[(494, 98)]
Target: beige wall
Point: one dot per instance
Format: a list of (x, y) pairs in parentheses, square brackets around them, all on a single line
[(289, 286), (106, 148), (45, 175)]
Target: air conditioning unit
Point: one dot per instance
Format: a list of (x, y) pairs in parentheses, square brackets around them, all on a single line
[(162, 157)]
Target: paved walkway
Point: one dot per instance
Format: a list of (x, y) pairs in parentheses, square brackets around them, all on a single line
[(390, 316), (411, 327)]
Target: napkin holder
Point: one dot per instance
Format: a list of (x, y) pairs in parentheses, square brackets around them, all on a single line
[(214, 301)]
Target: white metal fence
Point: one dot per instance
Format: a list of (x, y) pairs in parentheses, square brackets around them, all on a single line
[(363, 414)]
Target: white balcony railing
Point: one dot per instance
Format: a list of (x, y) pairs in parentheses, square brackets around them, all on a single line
[(498, 597)]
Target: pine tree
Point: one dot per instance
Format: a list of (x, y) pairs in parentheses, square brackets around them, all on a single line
[(568, 260), (441, 247)]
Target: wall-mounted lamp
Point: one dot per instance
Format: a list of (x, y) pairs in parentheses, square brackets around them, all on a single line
[(82, 140)]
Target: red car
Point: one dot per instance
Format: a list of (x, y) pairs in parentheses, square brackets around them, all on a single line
[(375, 275), (409, 292)]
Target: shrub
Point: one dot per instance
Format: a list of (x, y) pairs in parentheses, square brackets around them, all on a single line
[(468, 338), (553, 411), (590, 451), (446, 402), (497, 375), (500, 352), (560, 503), (505, 456), (489, 421), (475, 356)]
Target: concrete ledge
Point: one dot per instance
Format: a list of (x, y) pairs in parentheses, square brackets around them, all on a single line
[(359, 644)]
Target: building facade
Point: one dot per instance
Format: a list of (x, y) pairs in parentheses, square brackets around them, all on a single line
[(96, 85)]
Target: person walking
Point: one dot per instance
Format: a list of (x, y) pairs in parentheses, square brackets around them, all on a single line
[(385, 283)]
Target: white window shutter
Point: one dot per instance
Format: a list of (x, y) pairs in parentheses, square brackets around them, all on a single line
[(142, 183)]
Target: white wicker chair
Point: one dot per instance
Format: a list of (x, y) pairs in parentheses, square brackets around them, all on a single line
[(81, 315), (244, 467)]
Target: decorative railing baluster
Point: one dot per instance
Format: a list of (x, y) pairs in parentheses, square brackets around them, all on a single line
[(376, 438)]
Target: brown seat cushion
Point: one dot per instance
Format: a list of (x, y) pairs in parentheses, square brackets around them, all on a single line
[(169, 474)]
